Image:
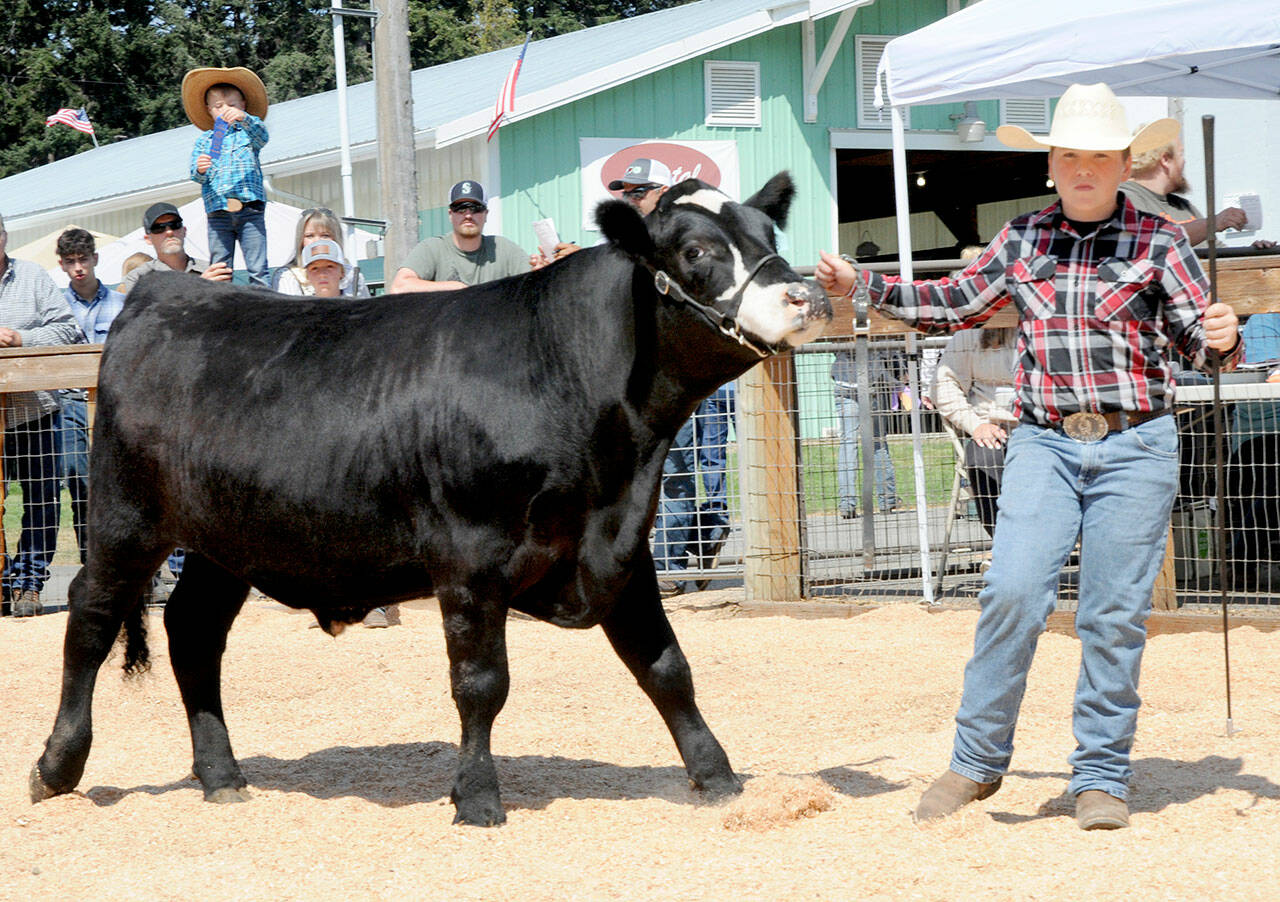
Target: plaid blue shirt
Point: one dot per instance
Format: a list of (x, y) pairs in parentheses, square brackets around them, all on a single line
[(1099, 313), (237, 172)]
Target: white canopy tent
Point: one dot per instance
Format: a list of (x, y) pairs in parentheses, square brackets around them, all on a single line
[(997, 49)]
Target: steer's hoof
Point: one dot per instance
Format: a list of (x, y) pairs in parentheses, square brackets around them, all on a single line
[(39, 789), (228, 794), (714, 789), (479, 814)]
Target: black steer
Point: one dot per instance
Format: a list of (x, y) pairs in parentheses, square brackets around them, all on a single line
[(499, 446)]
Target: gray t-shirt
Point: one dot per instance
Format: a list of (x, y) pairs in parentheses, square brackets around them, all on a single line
[(439, 260), (194, 266), (1172, 207)]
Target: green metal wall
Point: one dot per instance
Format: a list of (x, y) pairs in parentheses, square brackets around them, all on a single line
[(539, 156)]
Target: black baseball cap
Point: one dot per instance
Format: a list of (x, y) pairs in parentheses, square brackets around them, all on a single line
[(467, 190), (155, 211)]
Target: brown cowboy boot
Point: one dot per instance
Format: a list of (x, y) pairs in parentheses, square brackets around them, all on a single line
[(951, 792)]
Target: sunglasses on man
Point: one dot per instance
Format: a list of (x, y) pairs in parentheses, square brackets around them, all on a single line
[(638, 191), (468, 207), (159, 228)]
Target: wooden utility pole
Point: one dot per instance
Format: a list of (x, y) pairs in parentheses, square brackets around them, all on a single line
[(397, 171)]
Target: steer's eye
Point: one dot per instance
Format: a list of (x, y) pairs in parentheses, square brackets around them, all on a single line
[(694, 254)]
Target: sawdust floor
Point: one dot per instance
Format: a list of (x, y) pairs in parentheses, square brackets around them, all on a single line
[(835, 723)]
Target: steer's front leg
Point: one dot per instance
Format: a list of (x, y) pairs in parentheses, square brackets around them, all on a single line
[(638, 629), (475, 637)]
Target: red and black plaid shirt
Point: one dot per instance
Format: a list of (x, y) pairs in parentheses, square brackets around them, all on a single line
[(1098, 311)]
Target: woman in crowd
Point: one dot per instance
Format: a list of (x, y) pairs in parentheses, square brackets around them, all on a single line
[(313, 225)]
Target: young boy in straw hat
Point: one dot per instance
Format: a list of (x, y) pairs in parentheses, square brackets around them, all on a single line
[(1103, 293), (228, 105)]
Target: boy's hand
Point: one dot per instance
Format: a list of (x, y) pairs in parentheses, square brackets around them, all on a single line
[(203, 162), (1220, 327), (231, 114), (834, 274)]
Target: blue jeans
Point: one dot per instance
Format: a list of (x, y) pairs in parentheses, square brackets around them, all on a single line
[(249, 226), (31, 458), (701, 443), (72, 425), (1116, 496), (850, 453)]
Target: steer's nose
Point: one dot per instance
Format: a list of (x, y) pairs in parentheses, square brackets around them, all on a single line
[(809, 293)]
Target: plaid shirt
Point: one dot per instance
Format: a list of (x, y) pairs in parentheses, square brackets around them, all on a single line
[(1098, 312), (237, 172), (32, 306)]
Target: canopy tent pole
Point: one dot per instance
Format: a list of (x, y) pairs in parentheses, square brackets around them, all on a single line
[(908, 274)]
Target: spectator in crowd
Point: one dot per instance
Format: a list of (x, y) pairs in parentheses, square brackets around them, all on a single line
[(132, 262), (885, 371), (1251, 478), (1158, 180), (685, 527), (228, 106), (464, 257), (162, 228), (1094, 457), (973, 390), (32, 313), (313, 225), (94, 306)]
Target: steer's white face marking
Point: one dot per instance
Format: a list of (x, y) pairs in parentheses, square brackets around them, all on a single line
[(707, 199), (767, 313)]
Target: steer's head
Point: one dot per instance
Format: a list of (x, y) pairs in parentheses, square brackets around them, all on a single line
[(719, 258)]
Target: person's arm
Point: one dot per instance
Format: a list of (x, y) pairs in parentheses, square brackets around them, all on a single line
[(256, 129), (938, 305), (950, 389), (1198, 229), (1193, 323), (200, 159), (407, 280)]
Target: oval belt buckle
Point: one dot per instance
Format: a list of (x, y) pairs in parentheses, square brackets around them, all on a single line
[(1085, 426), (234, 205)]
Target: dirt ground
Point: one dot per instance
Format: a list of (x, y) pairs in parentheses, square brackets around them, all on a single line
[(835, 723)]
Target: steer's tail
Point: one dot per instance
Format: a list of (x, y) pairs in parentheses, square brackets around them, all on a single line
[(133, 633)]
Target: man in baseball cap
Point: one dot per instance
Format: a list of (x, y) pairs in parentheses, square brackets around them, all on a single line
[(643, 183), (466, 256), (163, 229)]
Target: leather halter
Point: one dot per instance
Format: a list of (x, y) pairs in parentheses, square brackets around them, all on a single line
[(726, 322)]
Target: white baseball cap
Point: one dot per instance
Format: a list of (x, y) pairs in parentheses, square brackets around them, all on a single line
[(322, 250)]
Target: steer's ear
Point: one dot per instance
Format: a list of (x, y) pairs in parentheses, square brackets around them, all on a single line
[(774, 199), (624, 227)]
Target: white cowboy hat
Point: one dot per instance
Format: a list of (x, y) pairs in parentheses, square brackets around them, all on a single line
[(1089, 117), (197, 82)]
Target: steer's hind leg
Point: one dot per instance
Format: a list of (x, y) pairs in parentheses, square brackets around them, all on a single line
[(637, 628), (475, 636), (197, 618), (99, 603)]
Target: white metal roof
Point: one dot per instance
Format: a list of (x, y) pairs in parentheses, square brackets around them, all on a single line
[(451, 102)]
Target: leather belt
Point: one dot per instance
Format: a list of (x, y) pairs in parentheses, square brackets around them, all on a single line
[(1088, 426)]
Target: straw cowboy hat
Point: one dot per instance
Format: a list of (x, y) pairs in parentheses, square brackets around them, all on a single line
[(1089, 117), (198, 81)]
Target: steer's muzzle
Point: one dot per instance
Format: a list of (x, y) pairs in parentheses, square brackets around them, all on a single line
[(810, 302)]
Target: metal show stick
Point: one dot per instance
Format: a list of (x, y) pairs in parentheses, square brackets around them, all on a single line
[(1215, 365)]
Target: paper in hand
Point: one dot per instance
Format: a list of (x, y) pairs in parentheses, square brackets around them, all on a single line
[(220, 129), (545, 230), (1252, 206)]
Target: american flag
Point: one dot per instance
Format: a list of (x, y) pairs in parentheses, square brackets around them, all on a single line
[(507, 99), (77, 119)]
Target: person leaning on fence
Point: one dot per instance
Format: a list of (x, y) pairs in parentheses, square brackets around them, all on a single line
[(973, 390), (313, 225), (1102, 292), (228, 106), (95, 307), (32, 313)]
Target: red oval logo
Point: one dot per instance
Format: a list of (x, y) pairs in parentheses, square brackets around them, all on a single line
[(683, 161)]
